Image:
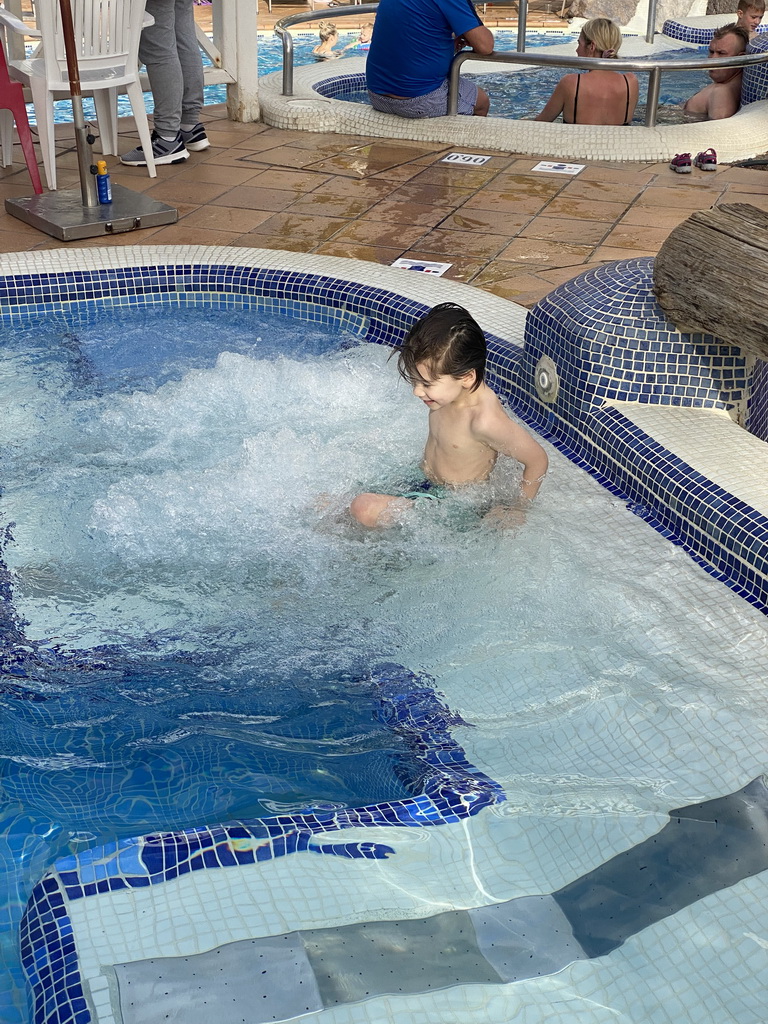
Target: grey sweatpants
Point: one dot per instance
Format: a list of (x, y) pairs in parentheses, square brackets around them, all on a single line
[(174, 64)]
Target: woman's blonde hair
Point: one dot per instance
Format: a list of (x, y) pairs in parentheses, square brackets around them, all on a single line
[(326, 30), (604, 35)]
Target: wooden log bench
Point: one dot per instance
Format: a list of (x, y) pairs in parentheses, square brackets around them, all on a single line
[(709, 276)]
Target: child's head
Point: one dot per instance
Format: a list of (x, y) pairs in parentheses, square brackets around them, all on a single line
[(750, 13), (326, 29), (448, 341)]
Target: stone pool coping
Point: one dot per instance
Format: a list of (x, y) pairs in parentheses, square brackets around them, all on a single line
[(736, 138)]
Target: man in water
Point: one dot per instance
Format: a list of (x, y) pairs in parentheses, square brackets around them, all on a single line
[(722, 98), (413, 44)]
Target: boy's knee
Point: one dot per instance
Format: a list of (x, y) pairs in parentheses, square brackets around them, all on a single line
[(365, 509)]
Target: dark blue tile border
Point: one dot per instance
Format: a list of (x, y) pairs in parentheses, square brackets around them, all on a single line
[(446, 789)]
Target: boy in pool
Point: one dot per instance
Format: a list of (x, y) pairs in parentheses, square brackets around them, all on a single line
[(443, 359)]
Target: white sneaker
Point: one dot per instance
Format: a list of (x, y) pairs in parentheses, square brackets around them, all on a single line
[(163, 151)]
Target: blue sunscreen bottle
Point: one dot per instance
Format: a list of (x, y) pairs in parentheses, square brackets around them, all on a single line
[(103, 185)]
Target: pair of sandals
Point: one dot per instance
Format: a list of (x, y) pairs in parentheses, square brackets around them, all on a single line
[(705, 161)]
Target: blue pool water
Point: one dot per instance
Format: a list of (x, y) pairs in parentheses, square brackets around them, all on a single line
[(523, 94), (155, 676), (193, 622), (270, 58)]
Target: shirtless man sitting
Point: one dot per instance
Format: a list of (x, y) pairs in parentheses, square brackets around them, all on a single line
[(722, 98)]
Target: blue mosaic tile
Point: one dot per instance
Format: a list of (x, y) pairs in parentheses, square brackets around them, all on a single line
[(754, 81), (587, 327), (757, 404), (448, 788), (342, 87), (609, 339), (694, 34)]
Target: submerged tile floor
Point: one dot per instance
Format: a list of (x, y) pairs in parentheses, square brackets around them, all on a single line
[(503, 227)]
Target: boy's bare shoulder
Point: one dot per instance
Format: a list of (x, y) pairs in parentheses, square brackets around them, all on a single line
[(491, 420)]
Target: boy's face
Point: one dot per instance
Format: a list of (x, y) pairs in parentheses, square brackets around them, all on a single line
[(438, 391), (749, 19)]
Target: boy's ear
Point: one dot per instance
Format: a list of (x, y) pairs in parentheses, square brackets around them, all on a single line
[(469, 378)]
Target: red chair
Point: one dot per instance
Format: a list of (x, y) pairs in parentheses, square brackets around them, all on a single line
[(13, 108)]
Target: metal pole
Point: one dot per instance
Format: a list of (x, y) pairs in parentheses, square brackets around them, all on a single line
[(84, 154), (650, 30), (287, 40), (453, 84), (522, 20), (652, 103)]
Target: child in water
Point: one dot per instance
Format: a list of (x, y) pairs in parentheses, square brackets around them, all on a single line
[(443, 359), (363, 41)]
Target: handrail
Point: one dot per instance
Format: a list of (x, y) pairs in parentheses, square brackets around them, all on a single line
[(652, 67), (282, 26)]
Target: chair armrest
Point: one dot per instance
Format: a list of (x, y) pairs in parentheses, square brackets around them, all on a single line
[(16, 24)]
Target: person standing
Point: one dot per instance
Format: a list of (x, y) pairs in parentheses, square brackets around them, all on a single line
[(170, 51)]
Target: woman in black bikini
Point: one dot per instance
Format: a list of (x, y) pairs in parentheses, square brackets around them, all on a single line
[(597, 97)]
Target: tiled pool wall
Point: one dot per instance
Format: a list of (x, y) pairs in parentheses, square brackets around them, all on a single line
[(446, 789), (693, 31), (757, 404), (608, 341)]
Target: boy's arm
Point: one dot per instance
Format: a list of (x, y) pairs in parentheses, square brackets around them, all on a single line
[(509, 438)]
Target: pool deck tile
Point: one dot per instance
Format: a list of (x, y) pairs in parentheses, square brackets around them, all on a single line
[(358, 251), (392, 211), (635, 236), (504, 227), (583, 232), (585, 209), (459, 243), (546, 251)]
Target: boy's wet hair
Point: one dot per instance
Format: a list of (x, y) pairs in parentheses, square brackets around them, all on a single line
[(751, 5), (449, 341)]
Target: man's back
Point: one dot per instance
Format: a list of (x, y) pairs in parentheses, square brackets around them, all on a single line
[(413, 44)]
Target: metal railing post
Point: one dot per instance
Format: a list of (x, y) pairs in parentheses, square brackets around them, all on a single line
[(652, 103), (453, 84), (522, 24), (650, 30), (287, 40)]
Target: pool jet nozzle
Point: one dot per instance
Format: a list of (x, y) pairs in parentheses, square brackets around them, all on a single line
[(67, 215)]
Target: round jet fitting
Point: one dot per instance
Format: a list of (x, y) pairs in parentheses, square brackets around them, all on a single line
[(546, 380)]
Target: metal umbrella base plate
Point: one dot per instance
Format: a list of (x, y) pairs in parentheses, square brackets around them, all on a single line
[(63, 215)]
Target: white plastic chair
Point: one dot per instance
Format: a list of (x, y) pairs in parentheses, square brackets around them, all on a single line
[(107, 34)]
